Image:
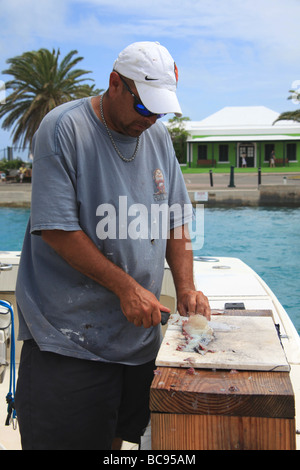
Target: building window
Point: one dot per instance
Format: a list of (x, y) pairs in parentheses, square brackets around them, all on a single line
[(291, 152), (250, 152), (202, 152), (223, 153)]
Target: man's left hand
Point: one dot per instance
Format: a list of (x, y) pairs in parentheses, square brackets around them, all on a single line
[(193, 302)]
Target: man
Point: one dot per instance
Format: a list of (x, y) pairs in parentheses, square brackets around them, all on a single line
[(22, 171), (93, 258), (272, 159)]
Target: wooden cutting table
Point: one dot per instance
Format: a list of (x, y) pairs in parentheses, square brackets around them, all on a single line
[(200, 408)]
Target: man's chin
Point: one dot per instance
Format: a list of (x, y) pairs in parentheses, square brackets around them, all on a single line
[(137, 130)]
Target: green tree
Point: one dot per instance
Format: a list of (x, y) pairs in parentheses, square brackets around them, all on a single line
[(291, 115), (179, 136), (41, 82)]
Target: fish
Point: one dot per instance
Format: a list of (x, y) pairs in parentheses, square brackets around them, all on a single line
[(198, 334)]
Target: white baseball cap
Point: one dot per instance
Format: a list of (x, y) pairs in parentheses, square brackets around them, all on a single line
[(154, 72)]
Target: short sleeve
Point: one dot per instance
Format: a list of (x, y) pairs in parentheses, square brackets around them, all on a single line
[(54, 201)]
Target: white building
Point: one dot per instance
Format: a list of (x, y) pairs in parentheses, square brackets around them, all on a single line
[(222, 139)]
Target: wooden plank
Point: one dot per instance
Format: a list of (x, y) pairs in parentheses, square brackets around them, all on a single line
[(204, 432), (203, 391)]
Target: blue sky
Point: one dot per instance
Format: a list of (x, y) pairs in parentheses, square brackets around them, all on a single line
[(228, 52)]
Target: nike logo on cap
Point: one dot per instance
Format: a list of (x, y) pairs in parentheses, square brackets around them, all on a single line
[(147, 78)]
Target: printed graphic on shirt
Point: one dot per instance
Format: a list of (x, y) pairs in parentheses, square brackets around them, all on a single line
[(160, 190)]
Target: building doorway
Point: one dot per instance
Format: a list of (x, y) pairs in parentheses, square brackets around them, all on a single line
[(246, 154)]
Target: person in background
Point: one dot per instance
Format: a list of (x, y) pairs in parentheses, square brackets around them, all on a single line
[(272, 159), (244, 162), (22, 171)]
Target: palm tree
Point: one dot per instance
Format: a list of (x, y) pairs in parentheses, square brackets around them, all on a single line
[(179, 136), (40, 84), (291, 115)]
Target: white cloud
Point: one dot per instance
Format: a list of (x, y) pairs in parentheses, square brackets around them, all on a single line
[(227, 50), (266, 23), (24, 24)]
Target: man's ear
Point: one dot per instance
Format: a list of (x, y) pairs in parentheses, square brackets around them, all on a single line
[(115, 84)]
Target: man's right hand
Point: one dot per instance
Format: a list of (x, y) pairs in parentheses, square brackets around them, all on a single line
[(141, 307)]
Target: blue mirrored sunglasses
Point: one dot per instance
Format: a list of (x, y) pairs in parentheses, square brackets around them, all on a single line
[(138, 105)]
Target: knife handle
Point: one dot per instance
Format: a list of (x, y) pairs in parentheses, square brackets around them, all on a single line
[(164, 317)]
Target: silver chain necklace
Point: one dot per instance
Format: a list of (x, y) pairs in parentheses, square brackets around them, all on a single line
[(127, 160)]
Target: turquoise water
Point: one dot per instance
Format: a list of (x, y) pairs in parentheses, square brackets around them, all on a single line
[(267, 239), (13, 224)]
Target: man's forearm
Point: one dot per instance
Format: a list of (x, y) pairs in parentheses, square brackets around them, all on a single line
[(139, 305), (80, 252), (180, 259)]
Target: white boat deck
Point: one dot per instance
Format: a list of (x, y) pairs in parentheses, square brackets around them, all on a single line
[(229, 280)]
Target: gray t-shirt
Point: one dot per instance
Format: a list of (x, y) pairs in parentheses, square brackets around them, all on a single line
[(80, 183)]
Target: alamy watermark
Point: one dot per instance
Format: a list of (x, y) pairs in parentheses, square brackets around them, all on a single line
[(136, 221)]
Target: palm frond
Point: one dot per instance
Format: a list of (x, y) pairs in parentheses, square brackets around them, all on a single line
[(289, 116), (40, 83)]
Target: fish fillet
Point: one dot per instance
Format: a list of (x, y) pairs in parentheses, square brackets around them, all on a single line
[(198, 334)]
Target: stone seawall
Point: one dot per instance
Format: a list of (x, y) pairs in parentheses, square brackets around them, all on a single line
[(279, 195), (265, 195), (17, 198)]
